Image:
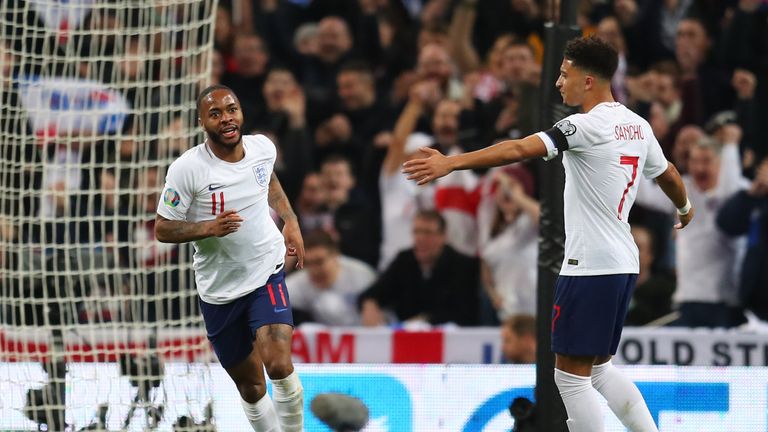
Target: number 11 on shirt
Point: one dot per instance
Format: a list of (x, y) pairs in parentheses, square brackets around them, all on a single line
[(221, 201)]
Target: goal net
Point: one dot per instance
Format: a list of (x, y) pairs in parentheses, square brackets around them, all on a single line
[(99, 326)]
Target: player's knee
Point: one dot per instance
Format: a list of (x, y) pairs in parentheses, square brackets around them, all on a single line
[(251, 392), (279, 368)]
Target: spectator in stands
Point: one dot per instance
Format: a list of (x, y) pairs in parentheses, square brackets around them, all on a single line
[(502, 117), (223, 38), (642, 29), (667, 99), (609, 30), (429, 283), (522, 18), (356, 124), (251, 58), (467, 58), (686, 138), (435, 63), (489, 78), (746, 213), (305, 39), (146, 253), (509, 248), (401, 199), (652, 298), (173, 137), (60, 190), (518, 340), (17, 149), (706, 293), (436, 33), (326, 290), (747, 111), (285, 121), (319, 71), (744, 44), (395, 34), (311, 205), (457, 195), (355, 221), (705, 87)]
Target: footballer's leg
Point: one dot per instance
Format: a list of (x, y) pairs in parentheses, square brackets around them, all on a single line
[(573, 338), (271, 320), (273, 342), (572, 376), (232, 340), (622, 395), (248, 376)]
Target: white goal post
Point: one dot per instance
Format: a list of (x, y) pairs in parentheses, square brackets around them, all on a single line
[(97, 98)]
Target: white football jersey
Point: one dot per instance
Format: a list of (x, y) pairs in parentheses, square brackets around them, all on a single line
[(200, 186), (607, 148)]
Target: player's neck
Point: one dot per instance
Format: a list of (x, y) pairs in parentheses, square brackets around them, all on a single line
[(227, 154), (593, 99)]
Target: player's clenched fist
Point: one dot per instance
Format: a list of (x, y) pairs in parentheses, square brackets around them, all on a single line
[(225, 223)]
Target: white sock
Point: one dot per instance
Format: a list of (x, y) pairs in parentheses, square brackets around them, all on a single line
[(581, 403), (623, 398), (262, 415), (289, 402)]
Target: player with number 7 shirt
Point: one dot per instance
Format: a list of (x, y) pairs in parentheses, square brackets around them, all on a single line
[(605, 148)]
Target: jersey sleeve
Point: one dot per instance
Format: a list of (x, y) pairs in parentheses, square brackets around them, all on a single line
[(178, 192), (655, 161), (571, 133), (269, 148)]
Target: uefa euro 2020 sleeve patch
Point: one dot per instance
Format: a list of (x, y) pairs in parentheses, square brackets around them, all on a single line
[(566, 127), (171, 197)]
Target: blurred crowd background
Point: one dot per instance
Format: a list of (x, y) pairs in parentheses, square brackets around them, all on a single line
[(348, 90)]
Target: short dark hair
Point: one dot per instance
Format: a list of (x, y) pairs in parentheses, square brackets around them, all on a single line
[(357, 66), (434, 216), (593, 54), (521, 324), (321, 238), (338, 158), (210, 89)]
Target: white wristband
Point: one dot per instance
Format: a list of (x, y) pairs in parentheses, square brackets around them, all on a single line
[(682, 211)]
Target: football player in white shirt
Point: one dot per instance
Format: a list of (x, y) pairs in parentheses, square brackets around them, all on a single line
[(218, 195), (605, 148)]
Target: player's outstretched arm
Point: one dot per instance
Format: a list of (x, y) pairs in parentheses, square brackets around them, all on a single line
[(294, 243), (173, 231), (672, 185), (435, 165)]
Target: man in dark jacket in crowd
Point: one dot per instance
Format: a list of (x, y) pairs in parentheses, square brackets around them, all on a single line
[(746, 212), (430, 282)]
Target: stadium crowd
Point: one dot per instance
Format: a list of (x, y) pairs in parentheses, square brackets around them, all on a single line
[(348, 90)]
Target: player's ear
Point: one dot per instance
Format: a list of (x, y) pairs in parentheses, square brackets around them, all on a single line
[(200, 122), (589, 82)]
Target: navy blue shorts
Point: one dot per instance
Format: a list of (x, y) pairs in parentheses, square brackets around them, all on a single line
[(231, 327), (589, 313)]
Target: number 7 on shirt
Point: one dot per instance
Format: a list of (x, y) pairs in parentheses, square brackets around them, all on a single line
[(628, 160)]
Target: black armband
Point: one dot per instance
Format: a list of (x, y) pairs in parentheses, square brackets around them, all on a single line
[(558, 137)]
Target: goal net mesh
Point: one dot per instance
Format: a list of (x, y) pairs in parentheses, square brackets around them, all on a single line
[(98, 98)]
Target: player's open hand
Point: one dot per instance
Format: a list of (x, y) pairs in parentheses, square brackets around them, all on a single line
[(685, 219), (424, 170), (294, 243), (225, 223)]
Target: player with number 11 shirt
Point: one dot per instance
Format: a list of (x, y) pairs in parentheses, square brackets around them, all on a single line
[(218, 195), (605, 148)]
